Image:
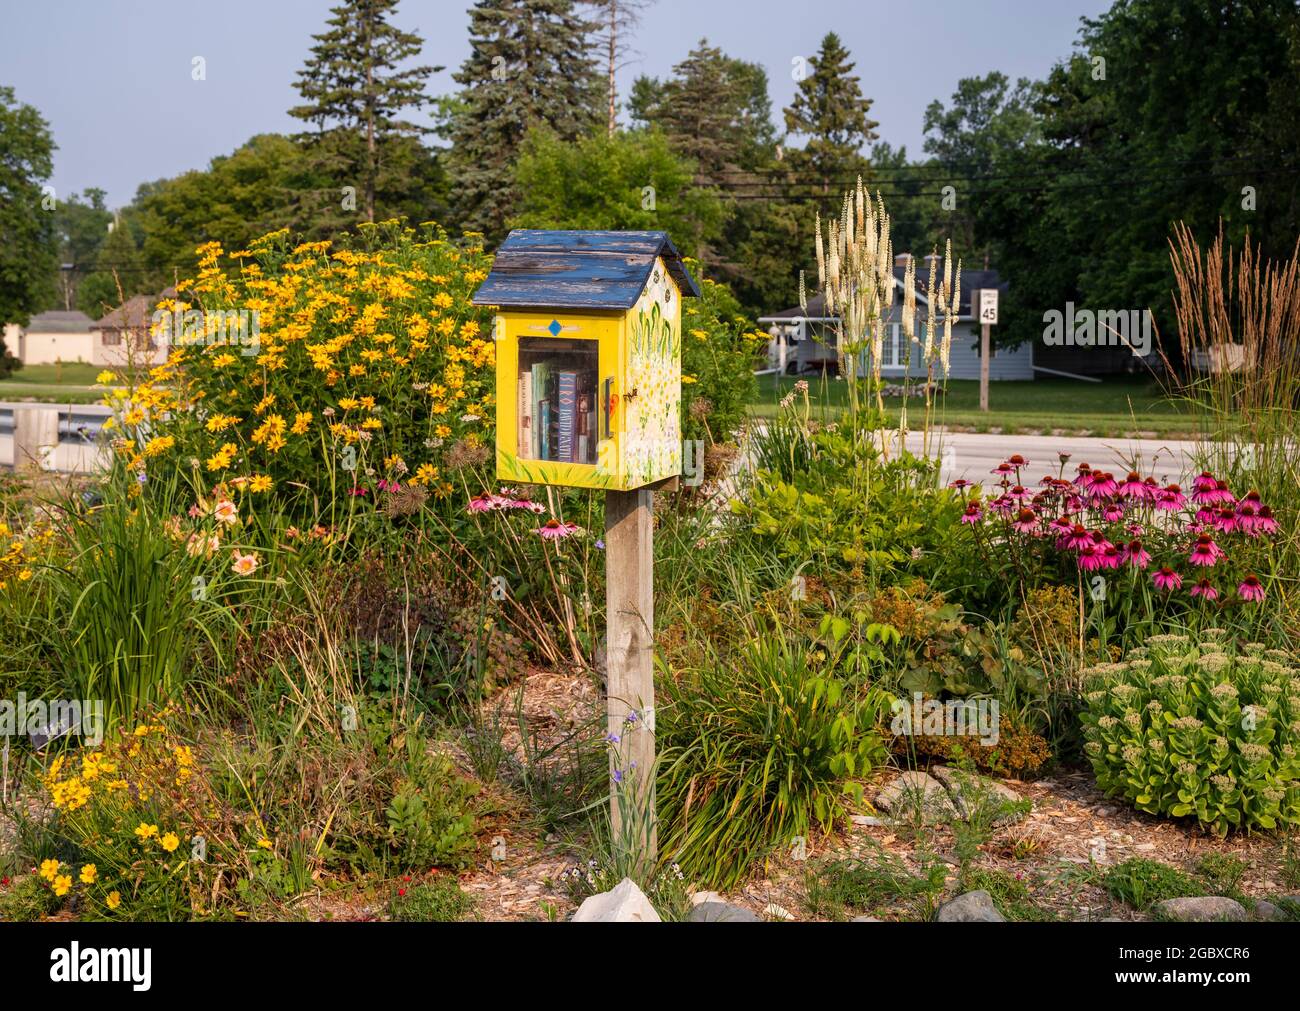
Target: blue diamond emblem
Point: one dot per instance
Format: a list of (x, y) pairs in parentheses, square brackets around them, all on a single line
[(554, 328)]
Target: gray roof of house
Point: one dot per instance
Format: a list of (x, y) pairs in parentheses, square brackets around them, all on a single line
[(971, 280), (60, 321)]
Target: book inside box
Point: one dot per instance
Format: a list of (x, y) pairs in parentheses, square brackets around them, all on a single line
[(557, 415)]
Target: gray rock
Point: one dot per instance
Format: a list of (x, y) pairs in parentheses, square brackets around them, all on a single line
[(973, 907), (1203, 908), (626, 903), (912, 791), (721, 912), (1265, 910), (865, 919), (971, 793)]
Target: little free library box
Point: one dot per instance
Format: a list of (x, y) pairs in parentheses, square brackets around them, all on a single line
[(589, 341)]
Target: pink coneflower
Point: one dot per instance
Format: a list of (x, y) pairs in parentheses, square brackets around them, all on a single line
[(973, 513), (1205, 551), (1166, 578), (1247, 518), (1061, 525), (1018, 492), (1003, 504), (1078, 538), (554, 530), (1204, 481), (1004, 469), (1205, 516), (1225, 520), (1113, 513), (1152, 487), (1026, 521), (1083, 475), (1133, 486), (1017, 461), (1204, 588), (1111, 557), (1135, 529), (1135, 554), (959, 484), (1264, 521), (1251, 588), (529, 504), (1212, 494), (1102, 484), (1089, 558), (483, 503), (1171, 497)]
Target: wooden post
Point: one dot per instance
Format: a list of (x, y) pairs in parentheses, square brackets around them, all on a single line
[(629, 652), (984, 367), (36, 437)]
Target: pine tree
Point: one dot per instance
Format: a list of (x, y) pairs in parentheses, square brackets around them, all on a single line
[(617, 19), (355, 90), (830, 110), (529, 65)]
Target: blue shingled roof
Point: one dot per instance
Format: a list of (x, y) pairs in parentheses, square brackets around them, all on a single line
[(579, 269)]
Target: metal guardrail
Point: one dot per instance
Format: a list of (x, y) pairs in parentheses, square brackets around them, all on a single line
[(63, 437)]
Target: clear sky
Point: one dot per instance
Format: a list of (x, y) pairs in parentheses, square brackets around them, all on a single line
[(114, 77)]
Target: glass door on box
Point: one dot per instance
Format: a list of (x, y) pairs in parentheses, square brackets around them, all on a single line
[(557, 415)]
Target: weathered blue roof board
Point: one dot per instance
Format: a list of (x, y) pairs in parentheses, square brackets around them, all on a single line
[(578, 270)]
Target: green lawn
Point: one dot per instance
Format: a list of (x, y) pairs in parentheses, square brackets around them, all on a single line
[(1110, 408), (69, 383)]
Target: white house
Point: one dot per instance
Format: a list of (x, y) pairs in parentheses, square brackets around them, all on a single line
[(804, 340), (51, 337)]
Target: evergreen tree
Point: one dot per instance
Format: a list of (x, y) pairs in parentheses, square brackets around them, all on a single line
[(355, 89), (830, 110), (529, 65)]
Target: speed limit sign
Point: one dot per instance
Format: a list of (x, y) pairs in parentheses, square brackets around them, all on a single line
[(988, 307)]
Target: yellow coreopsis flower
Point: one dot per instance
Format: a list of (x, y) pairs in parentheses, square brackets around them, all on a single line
[(144, 831), (49, 869), (62, 885), (113, 900), (169, 842), (88, 874)]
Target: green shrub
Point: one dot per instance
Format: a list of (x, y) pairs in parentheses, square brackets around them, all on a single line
[(1189, 730), (757, 748), (1144, 883), (436, 901)]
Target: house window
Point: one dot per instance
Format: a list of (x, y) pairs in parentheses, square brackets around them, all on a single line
[(112, 338)]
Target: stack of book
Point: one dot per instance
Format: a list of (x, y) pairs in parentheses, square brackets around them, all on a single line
[(556, 414)]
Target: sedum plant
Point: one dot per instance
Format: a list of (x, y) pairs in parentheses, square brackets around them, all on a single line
[(1199, 730)]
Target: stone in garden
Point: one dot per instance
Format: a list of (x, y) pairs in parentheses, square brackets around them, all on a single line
[(721, 912), (868, 820), (973, 907), (626, 903), (970, 791), (865, 919), (700, 897), (1265, 910), (1201, 909), (778, 912), (911, 790)]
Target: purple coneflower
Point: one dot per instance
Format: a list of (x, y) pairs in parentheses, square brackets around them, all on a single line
[(973, 513), (1026, 521), (1166, 578), (1203, 588), (1113, 513), (529, 504), (1102, 485), (1090, 558), (1264, 521), (482, 503), (1205, 551), (1251, 588), (1083, 475), (1225, 520), (1171, 497), (1078, 538), (554, 530), (1135, 554), (1133, 486)]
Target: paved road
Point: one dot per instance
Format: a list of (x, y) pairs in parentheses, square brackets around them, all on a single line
[(972, 455)]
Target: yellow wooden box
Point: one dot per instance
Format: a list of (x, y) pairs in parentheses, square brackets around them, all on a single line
[(588, 357)]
